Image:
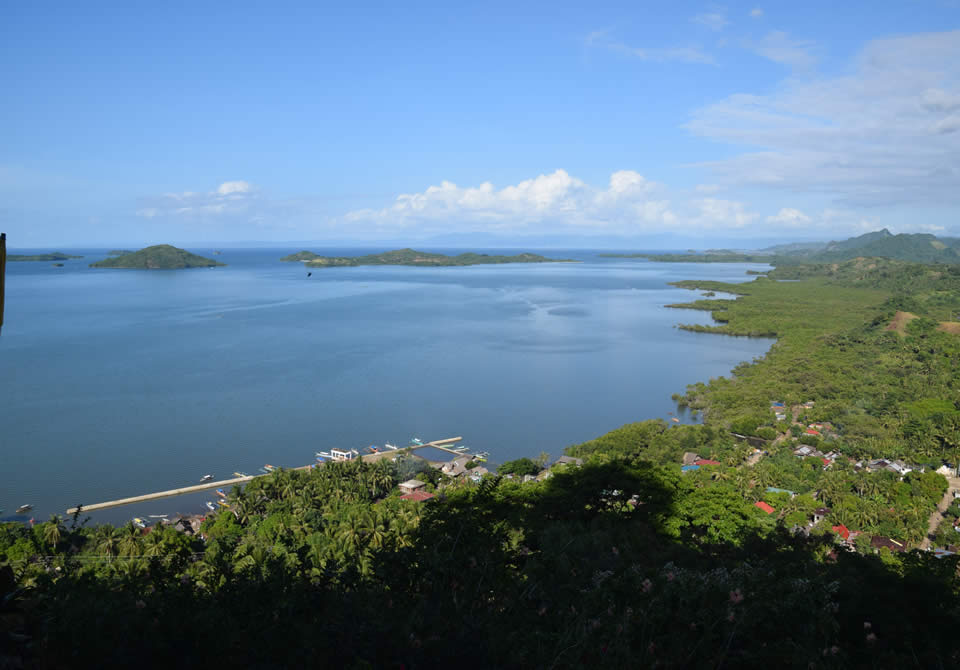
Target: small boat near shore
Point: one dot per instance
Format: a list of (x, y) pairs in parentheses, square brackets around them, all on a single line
[(269, 468), (206, 478), (159, 516), (387, 445), (211, 506), (221, 493), (138, 522), (324, 454), (23, 509), (240, 474)]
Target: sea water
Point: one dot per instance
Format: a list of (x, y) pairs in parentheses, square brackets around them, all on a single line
[(115, 383)]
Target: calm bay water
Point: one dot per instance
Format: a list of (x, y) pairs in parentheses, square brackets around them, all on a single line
[(115, 383)]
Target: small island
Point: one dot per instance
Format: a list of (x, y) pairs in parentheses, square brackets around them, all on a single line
[(119, 252), (417, 258), (55, 256), (157, 257)]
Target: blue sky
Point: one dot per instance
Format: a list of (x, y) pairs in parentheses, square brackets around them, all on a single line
[(566, 122)]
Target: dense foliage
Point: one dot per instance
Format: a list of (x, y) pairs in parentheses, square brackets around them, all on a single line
[(157, 257), (413, 257)]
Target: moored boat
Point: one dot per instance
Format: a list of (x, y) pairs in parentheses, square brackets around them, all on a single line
[(240, 474), (210, 506), (269, 468), (138, 522), (206, 478), (24, 508), (221, 493)]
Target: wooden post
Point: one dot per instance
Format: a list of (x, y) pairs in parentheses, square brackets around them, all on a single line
[(3, 272)]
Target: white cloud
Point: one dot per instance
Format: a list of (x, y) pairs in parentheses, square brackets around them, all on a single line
[(779, 47), (628, 202), (682, 54), (882, 133), (756, 12), (231, 187), (717, 213), (230, 197), (716, 20), (708, 188), (789, 217)]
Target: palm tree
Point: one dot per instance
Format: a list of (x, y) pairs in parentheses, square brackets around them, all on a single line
[(129, 544), (53, 531), (107, 540)]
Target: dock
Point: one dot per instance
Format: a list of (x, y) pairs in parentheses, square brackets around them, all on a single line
[(207, 486)]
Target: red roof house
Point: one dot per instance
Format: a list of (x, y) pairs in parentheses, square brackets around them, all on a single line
[(842, 531), (811, 431), (419, 496), (706, 461), (765, 507)]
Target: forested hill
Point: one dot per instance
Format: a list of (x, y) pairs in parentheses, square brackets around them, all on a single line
[(418, 258), (914, 248), (157, 257)]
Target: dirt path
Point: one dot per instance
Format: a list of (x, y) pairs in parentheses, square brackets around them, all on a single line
[(937, 517)]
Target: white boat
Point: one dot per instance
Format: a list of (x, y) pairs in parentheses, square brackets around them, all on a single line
[(240, 474), (416, 441), (138, 522), (324, 454), (158, 516), (24, 508), (387, 445), (211, 506), (206, 478)]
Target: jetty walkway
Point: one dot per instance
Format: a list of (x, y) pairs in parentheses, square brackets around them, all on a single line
[(207, 486)]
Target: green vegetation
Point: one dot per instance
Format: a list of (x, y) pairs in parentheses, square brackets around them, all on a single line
[(627, 561), (419, 258), (519, 467), (55, 256), (157, 257), (699, 258), (913, 248), (119, 252), (302, 256)]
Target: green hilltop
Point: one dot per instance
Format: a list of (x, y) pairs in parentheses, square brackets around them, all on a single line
[(157, 257), (417, 258), (913, 248)]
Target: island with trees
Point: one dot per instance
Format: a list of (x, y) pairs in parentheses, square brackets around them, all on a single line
[(55, 256), (157, 257), (119, 252), (416, 258), (811, 516)]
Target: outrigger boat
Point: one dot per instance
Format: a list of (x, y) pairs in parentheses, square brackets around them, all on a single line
[(138, 522), (223, 503), (416, 441), (240, 474), (158, 516), (269, 468), (324, 454), (211, 506), (389, 446), (24, 508), (206, 478), (373, 450), (221, 493)]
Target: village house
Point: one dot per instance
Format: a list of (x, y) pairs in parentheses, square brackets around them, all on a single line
[(338, 454), (878, 542), (689, 458), (764, 506), (820, 514), (477, 473), (456, 467), (412, 485), (569, 460), (418, 496)]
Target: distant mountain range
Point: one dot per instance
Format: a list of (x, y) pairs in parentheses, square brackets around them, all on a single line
[(916, 247)]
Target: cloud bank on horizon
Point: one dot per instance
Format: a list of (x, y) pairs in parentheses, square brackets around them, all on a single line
[(736, 122)]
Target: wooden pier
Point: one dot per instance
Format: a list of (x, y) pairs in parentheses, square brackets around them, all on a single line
[(207, 486)]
